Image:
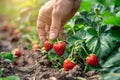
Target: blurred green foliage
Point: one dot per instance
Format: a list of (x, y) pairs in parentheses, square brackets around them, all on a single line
[(26, 11), (21, 11)]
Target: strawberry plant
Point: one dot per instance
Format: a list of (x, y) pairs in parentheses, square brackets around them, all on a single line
[(92, 32), (9, 58), (100, 35), (10, 78)]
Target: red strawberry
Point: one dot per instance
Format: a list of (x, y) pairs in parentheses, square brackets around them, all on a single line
[(33, 43), (15, 63), (36, 47), (18, 53), (29, 28), (47, 46), (92, 60), (15, 32), (59, 48), (5, 28), (68, 65)]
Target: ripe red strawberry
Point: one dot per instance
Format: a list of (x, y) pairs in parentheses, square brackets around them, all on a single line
[(59, 48), (18, 53), (15, 63), (5, 28), (29, 28), (47, 46), (33, 43), (15, 32), (92, 60), (68, 65), (36, 47)]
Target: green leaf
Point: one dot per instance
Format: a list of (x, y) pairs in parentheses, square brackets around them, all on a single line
[(29, 46), (84, 4), (113, 60), (82, 18), (115, 33), (92, 31), (100, 45), (112, 73), (1, 38), (71, 41), (111, 19), (10, 78), (118, 14), (8, 56), (1, 71), (79, 35), (56, 60)]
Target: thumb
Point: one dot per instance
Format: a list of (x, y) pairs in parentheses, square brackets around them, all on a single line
[(54, 31), (55, 26)]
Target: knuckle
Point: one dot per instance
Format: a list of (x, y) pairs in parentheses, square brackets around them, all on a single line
[(54, 30)]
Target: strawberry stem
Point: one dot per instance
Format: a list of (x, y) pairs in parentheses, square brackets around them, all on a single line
[(81, 57), (85, 67), (70, 56), (84, 50), (73, 31), (57, 40)]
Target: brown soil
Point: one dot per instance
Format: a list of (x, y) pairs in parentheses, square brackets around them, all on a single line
[(34, 65)]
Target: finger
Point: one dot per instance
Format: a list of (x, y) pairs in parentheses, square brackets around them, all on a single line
[(63, 36), (61, 30), (75, 7), (41, 30), (55, 25), (61, 33), (47, 28)]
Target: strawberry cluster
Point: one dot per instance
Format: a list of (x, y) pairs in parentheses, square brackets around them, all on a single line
[(59, 48)]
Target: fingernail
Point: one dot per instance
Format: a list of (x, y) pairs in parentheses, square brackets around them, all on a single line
[(52, 36)]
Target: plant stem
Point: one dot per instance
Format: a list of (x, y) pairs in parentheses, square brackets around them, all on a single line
[(57, 40), (73, 31), (85, 67), (70, 56), (84, 50), (98, 24), (81, 57)]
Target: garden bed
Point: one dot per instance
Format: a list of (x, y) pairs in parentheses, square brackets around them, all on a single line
[(34, 65)]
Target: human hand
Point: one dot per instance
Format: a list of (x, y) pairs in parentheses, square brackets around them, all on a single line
[(53, 16)]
